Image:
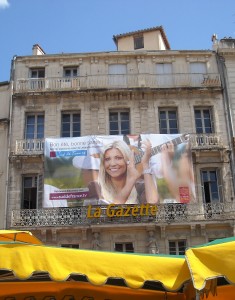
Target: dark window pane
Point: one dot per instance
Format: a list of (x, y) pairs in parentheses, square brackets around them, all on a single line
[(129, 247), (162, 115), (124, 116), (41, 73), (65, 118), (113, 126), (163, 124), (113, 117), (125, 127), (172, 123), (28, 182), (76, 118), (76, 127), (206, 114), (119, 247), (67, 73), (30, 120), (172, 115), (66, 127), (66, 134), (174, 131), (138, 42)]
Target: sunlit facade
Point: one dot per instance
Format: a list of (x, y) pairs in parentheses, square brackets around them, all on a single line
[(143, 87)]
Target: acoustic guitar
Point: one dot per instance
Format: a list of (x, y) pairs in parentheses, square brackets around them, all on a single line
[(155, 150)]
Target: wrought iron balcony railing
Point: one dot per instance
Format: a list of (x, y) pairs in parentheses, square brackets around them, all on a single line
[(198, 141), (78, 216), (175, 80)]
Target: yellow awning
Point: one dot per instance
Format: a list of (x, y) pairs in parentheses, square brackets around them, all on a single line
[(135, 269), (18, 236), (213, 260)]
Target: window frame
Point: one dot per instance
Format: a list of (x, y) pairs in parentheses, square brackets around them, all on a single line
[(36, 133), (207, 186), (203, 120), (28, 191), (200, 69), (138, 41), (120, 130), (124, 248), (168, 128), (71, 69), (164, 68), (177, 247), (117, 75), (71, 123), (37, 70)]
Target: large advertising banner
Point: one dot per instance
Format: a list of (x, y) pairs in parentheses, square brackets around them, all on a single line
[(122, 169)]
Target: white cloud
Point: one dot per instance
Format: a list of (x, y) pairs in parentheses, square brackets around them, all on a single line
[(4, 3)]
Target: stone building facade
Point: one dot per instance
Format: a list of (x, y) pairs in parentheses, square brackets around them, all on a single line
[(143, 80), (5, 96), (225, 49)]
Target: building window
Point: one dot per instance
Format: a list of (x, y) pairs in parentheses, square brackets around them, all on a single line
[(124, 247), (210, 186), (117, 75), (73, 246), (164, 74), (70, 125), (30, 187), (177, 247), (37, 73), (34, 126), (164, 68), (197, 68), (203, 120), (138, 42), (119, 122), (37, 80), (71, 72), (198, 71), (168, 123)]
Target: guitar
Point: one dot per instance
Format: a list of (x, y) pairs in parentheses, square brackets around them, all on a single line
[(157, 149)]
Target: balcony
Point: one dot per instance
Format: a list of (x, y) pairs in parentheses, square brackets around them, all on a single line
[(204, 141), (29, 147), (117, 81), (198, 141), (78, 216)]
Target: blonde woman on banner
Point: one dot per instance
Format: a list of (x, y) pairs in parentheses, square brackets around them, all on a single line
[(118, 175)]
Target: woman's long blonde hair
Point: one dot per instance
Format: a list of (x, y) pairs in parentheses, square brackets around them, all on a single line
[(107, 189)]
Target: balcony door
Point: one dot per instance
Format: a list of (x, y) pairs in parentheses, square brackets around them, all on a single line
[(37, 79), (164, 74), (32, 191), (198, 71), (117, 75)]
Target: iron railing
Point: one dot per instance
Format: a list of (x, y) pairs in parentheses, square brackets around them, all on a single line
[(176, 80), (78, 216), (198, 141)]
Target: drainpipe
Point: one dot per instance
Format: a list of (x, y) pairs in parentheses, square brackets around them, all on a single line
[(228, 112), (12, 76)]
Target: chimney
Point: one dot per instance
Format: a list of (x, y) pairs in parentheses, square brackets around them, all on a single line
[(37, 50), (215, 42)]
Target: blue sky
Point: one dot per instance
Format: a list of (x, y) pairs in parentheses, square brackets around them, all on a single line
[(76, 26)]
